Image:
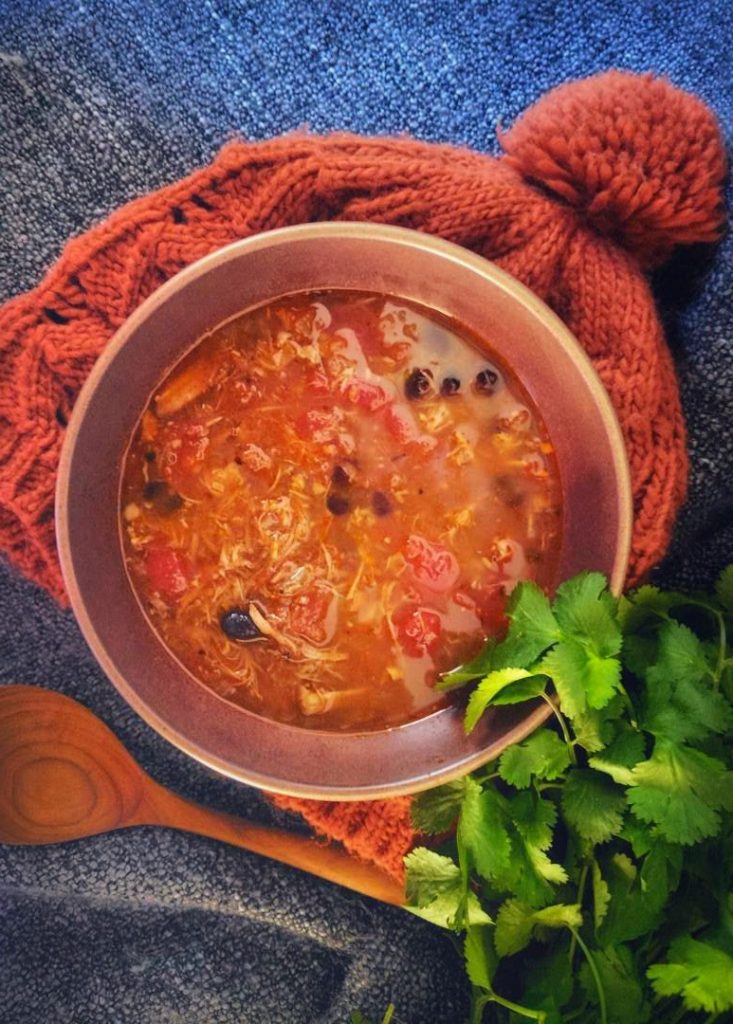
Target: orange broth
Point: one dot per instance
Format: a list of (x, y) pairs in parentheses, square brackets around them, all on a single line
[(327, 503)]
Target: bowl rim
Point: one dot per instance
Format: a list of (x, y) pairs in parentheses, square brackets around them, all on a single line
[(181, 280)]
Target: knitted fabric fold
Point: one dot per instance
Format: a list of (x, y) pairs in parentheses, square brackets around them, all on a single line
[(603, 179)]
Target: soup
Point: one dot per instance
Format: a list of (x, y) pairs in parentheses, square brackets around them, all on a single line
[(327, 503)]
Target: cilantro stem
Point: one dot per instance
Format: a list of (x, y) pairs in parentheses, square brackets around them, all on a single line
[(563, 725), (596, 976), (523, 1011), (464, 866), (581, 892), (478, 1002)]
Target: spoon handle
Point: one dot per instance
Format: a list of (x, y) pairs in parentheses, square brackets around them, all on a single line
[(162, 807)]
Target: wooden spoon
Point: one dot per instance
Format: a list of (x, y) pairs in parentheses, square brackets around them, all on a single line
[(64, 775)]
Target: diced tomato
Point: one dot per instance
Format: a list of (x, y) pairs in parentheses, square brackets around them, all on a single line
[(318, 424), (307, 615), (325, 427), (168, 572), (434, 566), (418, 629), (365, 394)]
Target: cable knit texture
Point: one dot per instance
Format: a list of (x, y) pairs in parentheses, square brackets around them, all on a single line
[(602, 179)]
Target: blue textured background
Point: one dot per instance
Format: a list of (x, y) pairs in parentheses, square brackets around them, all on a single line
[(100, 102)]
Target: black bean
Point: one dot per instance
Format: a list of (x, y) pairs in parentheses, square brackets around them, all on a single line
[(340, 477), (450, 386), (381, 504), (154, 489), (238, 625), (419, 384), (486, 381), (337, 505), (163, 499)]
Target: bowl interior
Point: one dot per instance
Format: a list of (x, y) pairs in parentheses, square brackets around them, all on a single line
[(492, 305)]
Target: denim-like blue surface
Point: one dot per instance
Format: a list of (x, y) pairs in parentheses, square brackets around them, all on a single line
[(100, 102)]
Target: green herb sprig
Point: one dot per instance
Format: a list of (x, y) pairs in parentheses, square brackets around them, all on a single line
[(589, 871)]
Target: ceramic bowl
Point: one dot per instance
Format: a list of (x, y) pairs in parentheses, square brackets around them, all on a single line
[(491, 304)]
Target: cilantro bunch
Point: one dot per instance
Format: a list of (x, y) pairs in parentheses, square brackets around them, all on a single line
[(589, 871)]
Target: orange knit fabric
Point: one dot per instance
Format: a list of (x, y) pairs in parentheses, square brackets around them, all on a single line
[(602, 179)]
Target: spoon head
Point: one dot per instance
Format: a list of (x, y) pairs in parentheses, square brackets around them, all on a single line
[(63, 773)]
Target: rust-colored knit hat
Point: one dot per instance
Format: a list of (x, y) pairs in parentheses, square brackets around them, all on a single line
[(602, 180)]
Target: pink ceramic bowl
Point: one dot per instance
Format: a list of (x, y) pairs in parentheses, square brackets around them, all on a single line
[(523, 331)]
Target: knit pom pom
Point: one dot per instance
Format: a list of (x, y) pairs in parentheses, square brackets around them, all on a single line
[(641, 159)]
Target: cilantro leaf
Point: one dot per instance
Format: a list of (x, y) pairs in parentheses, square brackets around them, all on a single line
[(593, 805), (532, 628), (513, 927), (581, 677), (646, 605), (681, 790), (522, 867), (640, 836), (479, 666), (487, 689), (482, 830), (543, 755), (436, 810), (517, 923), (680, 704), (532, 874), (559, 915), (481, 960), (621, 984), (660, 873), (639, 652), (640, 615), (603, 679), (594, 729), (724, 588), (685, 711), (698, 972), (627, 747), (522, 690), (434, 890), (587, 612), (625, 750), (629, 913), (544, 870), (680, 657), (427, 873), (601, 894), (534, 818)]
